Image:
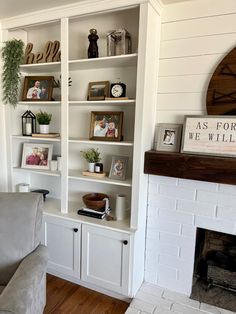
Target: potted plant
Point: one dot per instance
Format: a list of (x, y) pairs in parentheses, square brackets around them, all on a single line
[(92, 156), (44, 120), (12, 55)]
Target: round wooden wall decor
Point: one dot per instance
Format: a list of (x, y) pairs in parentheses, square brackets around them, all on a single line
[(221, 93)]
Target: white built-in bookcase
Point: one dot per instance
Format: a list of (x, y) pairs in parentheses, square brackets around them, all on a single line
[(71, 111)]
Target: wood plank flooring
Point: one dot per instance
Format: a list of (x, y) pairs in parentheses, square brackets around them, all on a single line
[(64, 297)]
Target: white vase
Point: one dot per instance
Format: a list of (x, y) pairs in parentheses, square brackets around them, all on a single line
[(91, 166), (120, 209), (44, 128)]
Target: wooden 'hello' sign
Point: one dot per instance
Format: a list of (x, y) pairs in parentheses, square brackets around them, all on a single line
[(51, 53)]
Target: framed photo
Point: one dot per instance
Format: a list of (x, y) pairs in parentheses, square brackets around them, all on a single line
[(98, 90), (36, 156), (38, 88), (106, 125), (118, 169), (168, 137), (210, 135)]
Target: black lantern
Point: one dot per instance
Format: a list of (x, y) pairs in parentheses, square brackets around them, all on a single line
[(28, 123)]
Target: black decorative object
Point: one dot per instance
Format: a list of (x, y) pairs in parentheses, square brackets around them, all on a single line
[(98, 168), (44, 192), (93, 47), (28, 123), (118, 90)]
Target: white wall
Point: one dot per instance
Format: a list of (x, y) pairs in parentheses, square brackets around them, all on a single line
[(196, 35), (3, 165)]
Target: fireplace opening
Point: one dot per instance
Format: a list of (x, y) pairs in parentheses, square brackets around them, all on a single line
[(214, 278)]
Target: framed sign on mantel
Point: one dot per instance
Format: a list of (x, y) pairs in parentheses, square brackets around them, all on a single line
[(210, 135)]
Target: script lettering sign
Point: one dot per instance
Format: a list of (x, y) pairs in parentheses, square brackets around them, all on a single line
[(210, 135), (51, 53)]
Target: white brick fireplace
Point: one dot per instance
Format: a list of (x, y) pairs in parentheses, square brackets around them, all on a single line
[(176, 207)]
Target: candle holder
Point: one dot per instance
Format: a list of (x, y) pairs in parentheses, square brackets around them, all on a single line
[(28, 123), (119, 42)]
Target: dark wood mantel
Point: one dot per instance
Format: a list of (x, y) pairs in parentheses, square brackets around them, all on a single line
[(195, 167)]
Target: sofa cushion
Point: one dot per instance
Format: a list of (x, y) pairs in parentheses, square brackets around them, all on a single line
[(1, 289), (20, 224)]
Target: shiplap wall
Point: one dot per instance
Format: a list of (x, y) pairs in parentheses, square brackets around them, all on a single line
[(195, 36)]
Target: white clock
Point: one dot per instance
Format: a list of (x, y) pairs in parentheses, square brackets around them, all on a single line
[(118, 90)]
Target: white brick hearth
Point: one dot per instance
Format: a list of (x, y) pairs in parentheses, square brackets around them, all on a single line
[(176, 207), (152, 299)]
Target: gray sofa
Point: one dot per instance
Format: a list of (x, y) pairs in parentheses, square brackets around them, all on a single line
[(23, 260)]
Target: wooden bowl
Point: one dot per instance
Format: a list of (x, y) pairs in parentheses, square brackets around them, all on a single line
[(94, 200)]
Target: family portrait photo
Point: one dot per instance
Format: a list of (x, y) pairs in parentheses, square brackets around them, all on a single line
[(106, 126), (168, 137), (118, 168), (36, 156), (38, 88)]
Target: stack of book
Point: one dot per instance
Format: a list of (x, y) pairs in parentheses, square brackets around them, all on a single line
[(99, 214)]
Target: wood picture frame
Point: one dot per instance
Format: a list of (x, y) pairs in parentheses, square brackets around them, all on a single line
[(36, 156), (209, 135), (119, 167), (168, 137), (106, 125), (98, 90), (38, 88)]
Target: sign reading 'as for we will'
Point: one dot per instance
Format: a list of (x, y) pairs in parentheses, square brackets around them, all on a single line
[(210, 135)]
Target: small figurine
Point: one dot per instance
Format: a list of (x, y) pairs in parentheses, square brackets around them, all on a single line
[(93, 47)]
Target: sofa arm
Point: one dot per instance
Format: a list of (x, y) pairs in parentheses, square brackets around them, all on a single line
[(25, 292)]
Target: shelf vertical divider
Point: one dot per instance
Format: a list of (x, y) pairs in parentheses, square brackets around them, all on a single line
[(145, 112), (64, 113)]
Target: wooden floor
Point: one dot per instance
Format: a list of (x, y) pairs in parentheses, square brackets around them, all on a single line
[(64, 297)]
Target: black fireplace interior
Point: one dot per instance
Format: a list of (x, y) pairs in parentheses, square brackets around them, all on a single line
[(214, 280)]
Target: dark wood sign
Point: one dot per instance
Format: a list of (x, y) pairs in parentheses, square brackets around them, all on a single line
[(221, 94)]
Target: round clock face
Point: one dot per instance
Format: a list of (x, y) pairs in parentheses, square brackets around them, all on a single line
[(117, 90)]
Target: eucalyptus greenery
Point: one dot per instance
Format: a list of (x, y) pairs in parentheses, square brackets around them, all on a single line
[(91, 155), (57, 83), (13, 55), (43, 118)]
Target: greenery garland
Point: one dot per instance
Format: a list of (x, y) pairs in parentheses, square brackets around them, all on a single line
[(13, 55)]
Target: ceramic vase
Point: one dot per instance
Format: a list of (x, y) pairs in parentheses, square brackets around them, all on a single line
[(44, 128), (91, 166)]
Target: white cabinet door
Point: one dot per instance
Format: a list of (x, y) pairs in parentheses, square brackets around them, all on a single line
[(105, 258), (62, 237)]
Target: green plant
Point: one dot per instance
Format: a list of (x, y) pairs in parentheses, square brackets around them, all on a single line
[(57, 83), (43, 117), (12, 55), (91, 155)]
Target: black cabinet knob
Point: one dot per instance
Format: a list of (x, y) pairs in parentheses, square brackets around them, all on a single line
[(76, 229), (125, 242)]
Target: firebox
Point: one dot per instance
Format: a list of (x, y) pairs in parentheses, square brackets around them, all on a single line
[(214, 279)]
